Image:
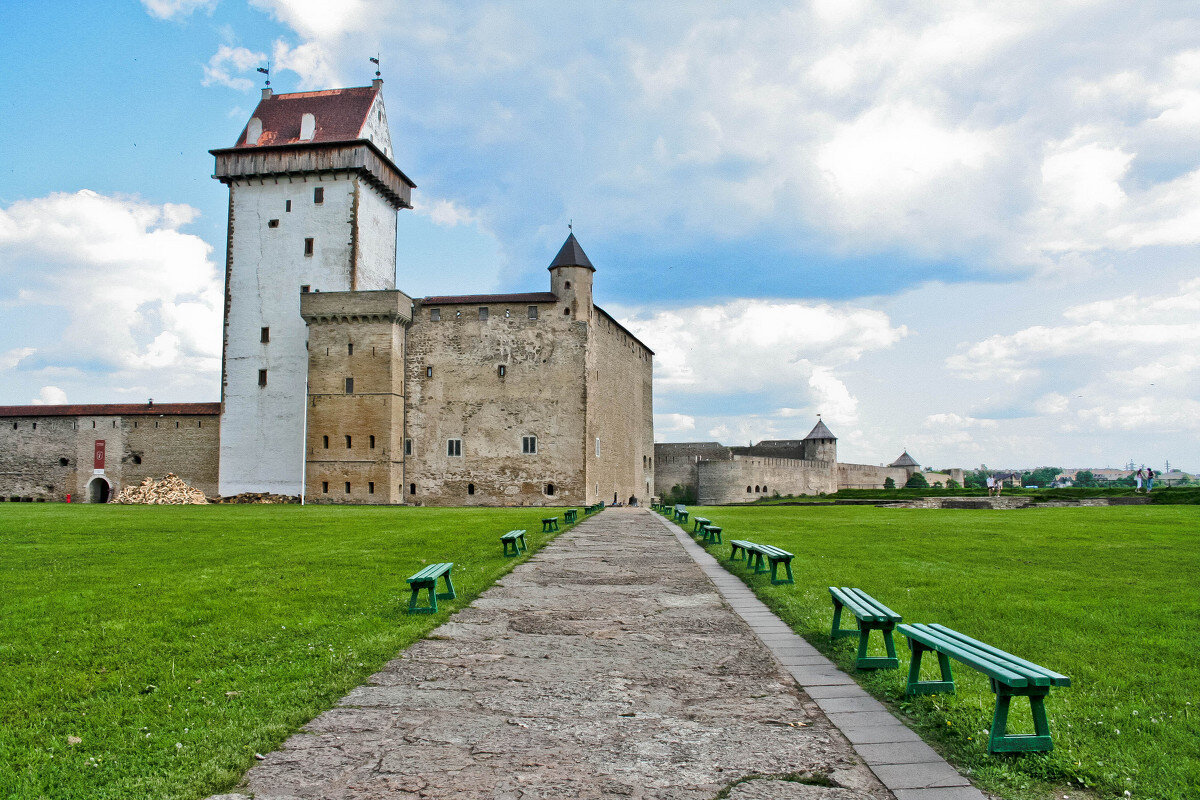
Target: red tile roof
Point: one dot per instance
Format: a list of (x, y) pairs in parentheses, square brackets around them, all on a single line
[(114, 410), (482, 299), (340, 115)]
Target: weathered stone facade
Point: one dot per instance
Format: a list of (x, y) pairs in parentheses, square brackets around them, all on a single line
[(48, 452)]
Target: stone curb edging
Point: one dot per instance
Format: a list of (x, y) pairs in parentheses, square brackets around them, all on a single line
[(906, 765)]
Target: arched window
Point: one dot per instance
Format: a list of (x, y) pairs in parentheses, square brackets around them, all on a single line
[(756, 488), (412, 488), (550, 489), (470, 488), (764, 488), (747, 490)]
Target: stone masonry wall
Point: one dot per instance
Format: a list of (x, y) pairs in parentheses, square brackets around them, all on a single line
[(619, 414), (723, 482), (675, 463), (868, 476), (466, 398), (136, 447)]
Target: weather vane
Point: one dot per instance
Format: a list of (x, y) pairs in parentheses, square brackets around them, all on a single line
[(375, 61), (571, 225), (266, 71)]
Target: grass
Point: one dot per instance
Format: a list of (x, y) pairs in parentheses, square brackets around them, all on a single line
[(152, 651), (1105, 595)]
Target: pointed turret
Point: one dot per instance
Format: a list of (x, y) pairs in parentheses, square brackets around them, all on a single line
[(820, 444), (571, 279), (905, 460)]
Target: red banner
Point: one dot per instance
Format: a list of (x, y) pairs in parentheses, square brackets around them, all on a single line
[(98, 461)]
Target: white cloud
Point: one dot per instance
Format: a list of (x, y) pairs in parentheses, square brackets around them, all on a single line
[(238, 59), (169, 9), (50, 396), (674, 423), (446, 213), (11, 358), (141, 300)]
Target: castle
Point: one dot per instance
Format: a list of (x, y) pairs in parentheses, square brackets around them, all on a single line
[(715, 474), (337, 387)]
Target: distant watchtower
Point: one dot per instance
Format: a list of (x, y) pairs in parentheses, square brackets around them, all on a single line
[(313, 199), (820, 444)]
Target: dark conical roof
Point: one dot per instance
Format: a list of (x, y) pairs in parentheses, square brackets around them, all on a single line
[(571, 255), (819, 431), (905, 460)]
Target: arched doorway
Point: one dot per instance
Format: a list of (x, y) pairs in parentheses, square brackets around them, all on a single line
[(98, 490)]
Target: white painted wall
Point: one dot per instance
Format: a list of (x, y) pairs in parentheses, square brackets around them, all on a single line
[(262, 429), (375, 127)]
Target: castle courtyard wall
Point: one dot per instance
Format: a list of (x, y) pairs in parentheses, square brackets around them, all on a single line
[(748, 478), (869, 476)]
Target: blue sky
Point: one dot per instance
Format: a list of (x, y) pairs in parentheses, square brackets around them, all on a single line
[(968, 229)]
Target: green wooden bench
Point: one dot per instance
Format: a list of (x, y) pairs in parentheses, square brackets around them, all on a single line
[(681, 513), (755, 555), (1010, 677), (514, 540), (549, 524), (427, 579), (872, 615), (698, 523), (711, 533), (571, 516)]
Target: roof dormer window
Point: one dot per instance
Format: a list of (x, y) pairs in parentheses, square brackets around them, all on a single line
[(254, 131), (308, 127)]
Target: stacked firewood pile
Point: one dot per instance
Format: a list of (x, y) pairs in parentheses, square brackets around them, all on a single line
[(257, 498), (170, 491)]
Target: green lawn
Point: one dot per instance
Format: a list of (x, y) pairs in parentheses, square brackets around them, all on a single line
[(176, 642), (1107, 596)]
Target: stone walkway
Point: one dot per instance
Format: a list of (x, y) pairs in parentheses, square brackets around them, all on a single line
[(609, 665)]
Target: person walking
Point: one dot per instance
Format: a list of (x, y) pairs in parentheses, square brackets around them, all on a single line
[(1137, 479), (991, 485), (1149, 480)]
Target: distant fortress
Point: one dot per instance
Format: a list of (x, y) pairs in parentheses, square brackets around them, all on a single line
[(715, 474)]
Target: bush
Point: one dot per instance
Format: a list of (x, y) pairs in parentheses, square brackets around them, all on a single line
[(888, 483), (917, 481)]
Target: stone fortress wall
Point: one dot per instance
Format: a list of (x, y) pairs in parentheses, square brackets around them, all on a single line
[(48, 452)]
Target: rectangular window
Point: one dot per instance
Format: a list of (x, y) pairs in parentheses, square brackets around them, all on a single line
[(272, 223), (262, 377), (349, 385), (319, 195), (347, 442), (408, 447), (287, 206), (308, 247), (501, 370), (305, 289), (370, 487), (533, 312), (325, 442), (454, 447), (372, 441), (264, 335), (350, 349), (435, 314), (597, 446), (429, 372), (483, 312), (347, 487), (324, 484), (529, 444)]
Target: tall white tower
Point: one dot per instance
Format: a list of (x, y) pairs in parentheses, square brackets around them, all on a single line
[(313, 199)]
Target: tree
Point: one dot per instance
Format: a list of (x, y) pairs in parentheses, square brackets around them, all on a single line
[(1085, 478), (888, 483), (975, 479), (1042, 476), (917, 481), (952, 484)]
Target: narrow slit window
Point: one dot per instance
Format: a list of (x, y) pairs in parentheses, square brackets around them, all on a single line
[(308, 246), (319, 195), (470, 488), (325, 442), (264, 335), (262, 378), (371, 441), (501, 370), (349, 385), (412, 488), (529, 444), (347, 442), (454, 447), (597, 446), (350, 349), (408, 447), (370, 487), (324, 484), (287, 206), (347, 487), (429, 372), (550, 489)]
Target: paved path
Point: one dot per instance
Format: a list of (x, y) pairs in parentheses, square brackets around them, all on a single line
[(608, 665)]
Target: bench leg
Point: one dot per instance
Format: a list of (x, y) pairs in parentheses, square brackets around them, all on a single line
[(413, 608), (760, 564), (1000, 741), (733, 551), (447, 595), (787, 565), (837, 632), (524, 546), (865, 661), (506, 543), (917, 686)]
